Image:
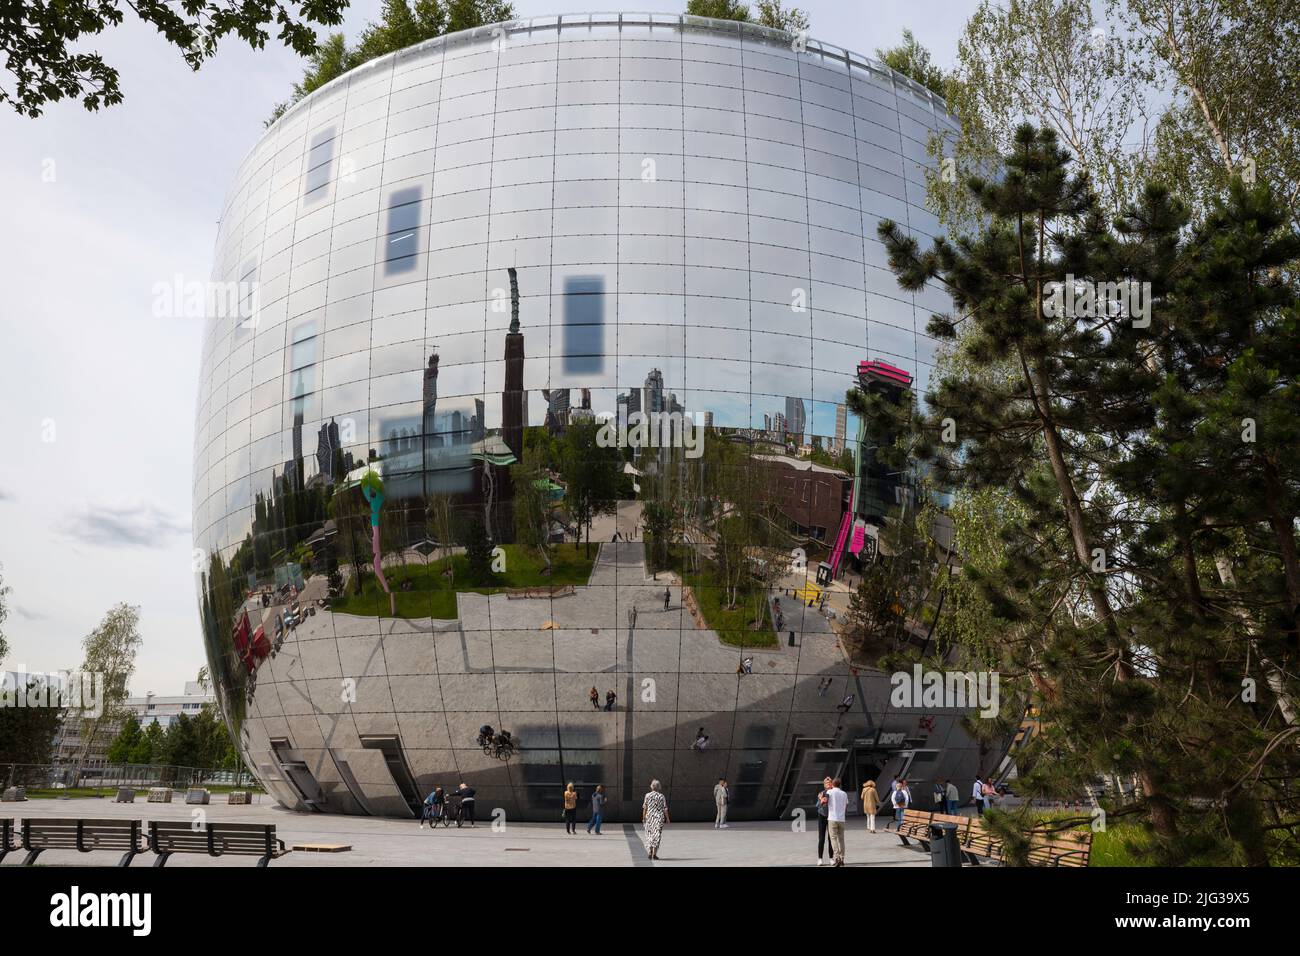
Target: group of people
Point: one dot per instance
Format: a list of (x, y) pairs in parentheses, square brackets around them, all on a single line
[(570, 813), (437, 804), (611, 699)]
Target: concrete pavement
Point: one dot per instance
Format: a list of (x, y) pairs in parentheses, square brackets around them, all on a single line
[(385, 842)]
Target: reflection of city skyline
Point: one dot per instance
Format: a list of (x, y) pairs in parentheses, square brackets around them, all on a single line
[(395, 353)]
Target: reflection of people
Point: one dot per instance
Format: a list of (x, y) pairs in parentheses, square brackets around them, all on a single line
[(720, 797), (594, 696), (610, 698)]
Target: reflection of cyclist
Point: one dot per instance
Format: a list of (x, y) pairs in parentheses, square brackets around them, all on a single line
[(485, 734), (466, 794)]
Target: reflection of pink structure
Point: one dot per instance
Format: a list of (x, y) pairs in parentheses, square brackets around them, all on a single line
[(838, 554), (859, 537), (878, 370), (251, 648)]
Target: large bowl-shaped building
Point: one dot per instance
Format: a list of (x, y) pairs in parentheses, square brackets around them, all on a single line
[(450, 259)]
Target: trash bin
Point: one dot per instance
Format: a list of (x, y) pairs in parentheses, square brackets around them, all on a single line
[(944, 850)]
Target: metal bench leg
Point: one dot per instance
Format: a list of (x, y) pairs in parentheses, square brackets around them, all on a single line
[(31, 857), (126, 860), (261, 863), (4, 852), (162, 859), (903, 839), (971, 858)]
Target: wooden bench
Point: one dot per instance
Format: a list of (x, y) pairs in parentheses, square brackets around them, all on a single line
[(976, 842), (1062, 848), (916, 826), (81, 835), (8, 838), (215, 839)]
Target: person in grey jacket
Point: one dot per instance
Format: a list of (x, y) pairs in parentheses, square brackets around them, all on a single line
[(720, 797), (597, 809)]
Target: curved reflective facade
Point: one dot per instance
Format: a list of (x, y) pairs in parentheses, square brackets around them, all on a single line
[(481, 244)]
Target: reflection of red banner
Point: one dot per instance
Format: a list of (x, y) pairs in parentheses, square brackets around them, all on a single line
[(251, 648)]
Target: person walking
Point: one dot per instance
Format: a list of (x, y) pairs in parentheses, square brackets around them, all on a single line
[(634, 617), (822, 810), (837, 803), (900, 801), (701, 740), (844, 705), (594, 696), (870, 804), (570, 809), (667, 594), (466, 794), (977, 795), (938, 795), (610, 699), (720, 797), (951, 796), (654, 816), (748, 665), (597, 808)]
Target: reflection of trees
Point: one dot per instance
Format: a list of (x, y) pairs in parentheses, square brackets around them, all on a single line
[(352, 522), (441, 513), (532, 503), (590, 475)]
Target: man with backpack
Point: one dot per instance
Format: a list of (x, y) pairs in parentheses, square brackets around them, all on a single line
[(900, 801)]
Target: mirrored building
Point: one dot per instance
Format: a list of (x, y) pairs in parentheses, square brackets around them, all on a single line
[(468, 258)]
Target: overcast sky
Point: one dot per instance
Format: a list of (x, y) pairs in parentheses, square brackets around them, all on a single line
[(97, 395)]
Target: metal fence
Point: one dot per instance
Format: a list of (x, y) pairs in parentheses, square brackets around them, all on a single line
[(111, 776)]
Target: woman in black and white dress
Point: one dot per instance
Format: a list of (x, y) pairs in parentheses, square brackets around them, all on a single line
[(654, 814)]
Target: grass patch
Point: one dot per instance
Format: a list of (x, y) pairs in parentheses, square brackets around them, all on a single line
[(433, 595), (734, 625)]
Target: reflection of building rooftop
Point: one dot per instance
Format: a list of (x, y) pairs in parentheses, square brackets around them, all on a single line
[(800, 464)]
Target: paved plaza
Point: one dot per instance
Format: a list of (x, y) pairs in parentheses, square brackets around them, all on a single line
[(385, 842)]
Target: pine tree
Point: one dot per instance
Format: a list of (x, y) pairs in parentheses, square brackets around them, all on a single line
[(1094, 600)]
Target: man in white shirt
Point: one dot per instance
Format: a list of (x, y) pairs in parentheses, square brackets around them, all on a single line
[(977, 795), (720, 795), (837, 802)]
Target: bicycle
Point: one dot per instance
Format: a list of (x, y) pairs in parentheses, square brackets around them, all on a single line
[(436, 814)]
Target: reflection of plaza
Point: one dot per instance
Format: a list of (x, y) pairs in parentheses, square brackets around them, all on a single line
[(443, 327)]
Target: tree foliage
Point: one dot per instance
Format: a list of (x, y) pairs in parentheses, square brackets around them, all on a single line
[(42, 42), (768, 13), (400, 25), (912, 60), (1142, 565), (110, 651)]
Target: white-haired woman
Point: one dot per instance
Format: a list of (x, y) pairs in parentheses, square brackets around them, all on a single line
[(654, 814)]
